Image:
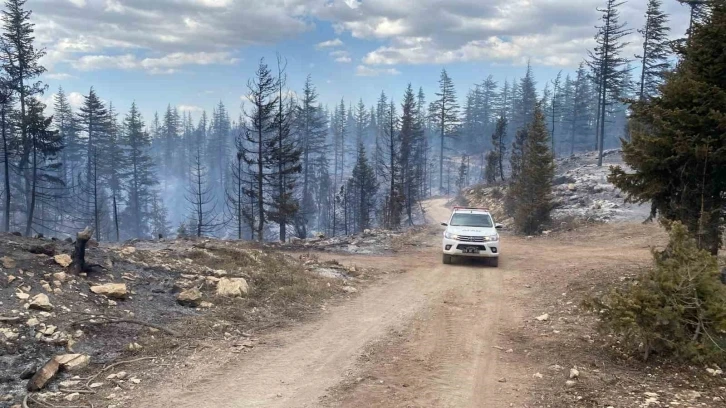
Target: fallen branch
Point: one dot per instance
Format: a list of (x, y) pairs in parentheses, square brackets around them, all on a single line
[(4, 319), (113, 320)]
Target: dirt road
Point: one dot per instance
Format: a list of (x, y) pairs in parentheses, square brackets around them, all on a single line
[(428, 337)]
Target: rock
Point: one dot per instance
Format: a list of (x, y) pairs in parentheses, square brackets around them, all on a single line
[(570, 383), (41, 302), (349, 289), (502, 380), (72, 362), (112, 290), (63, 260), (135, 381), (537, 375), (134, 347), (206, 305), (8, 334), (60, 276), (22, 295), (8, 262), (96, 385), (128, 250), (121, 375), (11, 279), (72, 397), (714, 372), (32, 322), (45, 374), (543, 318), (69, 383), (574, 373), (234, 287), (190, 297)]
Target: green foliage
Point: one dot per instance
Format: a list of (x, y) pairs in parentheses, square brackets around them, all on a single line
[(676, 308), (678, 148), (529, 198), (492, 167)]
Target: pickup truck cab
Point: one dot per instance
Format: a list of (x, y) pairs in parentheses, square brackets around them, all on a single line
[(471, 232)]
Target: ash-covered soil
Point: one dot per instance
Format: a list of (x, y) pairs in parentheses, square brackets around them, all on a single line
[(156, 300)]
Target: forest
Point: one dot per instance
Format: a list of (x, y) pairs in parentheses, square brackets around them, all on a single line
[(286, 165)]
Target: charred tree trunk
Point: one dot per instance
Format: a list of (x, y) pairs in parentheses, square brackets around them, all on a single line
[(79, 251)]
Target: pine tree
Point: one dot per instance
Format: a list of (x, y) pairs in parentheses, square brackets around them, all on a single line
[(492, 167), (656, 50), (524, 101), (284, 158), (93, 120), (390, 167), (7, 132), (532, 187), (311, 128), (411, 140), (45, 147), (65, 122), (203, 214), (499, 147), (606, 64), (21, 62), (363, 186), (140, 180), (444, 113), (677, 147), (259, 141)]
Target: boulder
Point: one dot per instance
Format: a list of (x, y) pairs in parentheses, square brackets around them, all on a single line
[(41, 302), (234, 287), (7, 262), (63, 260), (111, 290), (190, 297)]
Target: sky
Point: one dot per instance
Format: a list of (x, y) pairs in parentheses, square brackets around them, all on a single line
[(194, 53)]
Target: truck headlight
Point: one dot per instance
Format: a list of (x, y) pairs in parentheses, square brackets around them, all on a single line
[(449, 235), (492, 237)]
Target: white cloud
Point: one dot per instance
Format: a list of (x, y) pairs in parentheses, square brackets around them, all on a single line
[(163, 65), (75, 99), (329, 44), (362, 70), (341, 56), (78, 3), (59, 76), (190, 108), (554, 32)]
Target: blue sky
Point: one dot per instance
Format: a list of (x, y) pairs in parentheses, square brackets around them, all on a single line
[(194, 53)]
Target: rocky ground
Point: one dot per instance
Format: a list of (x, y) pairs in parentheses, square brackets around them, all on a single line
[(145, 305), (581, 191)]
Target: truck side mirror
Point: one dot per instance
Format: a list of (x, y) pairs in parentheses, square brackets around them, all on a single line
[(444, 224), (498, 226)]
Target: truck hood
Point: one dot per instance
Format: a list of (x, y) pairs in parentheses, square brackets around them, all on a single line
[(472, 231)]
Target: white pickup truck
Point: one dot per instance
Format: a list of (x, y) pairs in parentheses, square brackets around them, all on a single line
[(471, 232)]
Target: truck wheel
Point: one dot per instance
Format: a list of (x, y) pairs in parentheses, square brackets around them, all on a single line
[(494, 262), (447, 259)]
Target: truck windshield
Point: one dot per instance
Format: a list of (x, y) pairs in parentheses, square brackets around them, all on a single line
[(471, 220)]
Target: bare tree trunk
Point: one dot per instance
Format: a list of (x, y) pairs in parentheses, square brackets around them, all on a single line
[(6, 162), (79, 251)]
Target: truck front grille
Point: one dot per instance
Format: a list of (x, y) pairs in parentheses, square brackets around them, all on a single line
[(471, 239)]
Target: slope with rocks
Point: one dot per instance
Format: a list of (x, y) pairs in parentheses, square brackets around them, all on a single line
[(149, 300), (581, 192)]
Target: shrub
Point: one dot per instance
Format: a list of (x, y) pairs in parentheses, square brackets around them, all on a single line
[(675, 308)]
